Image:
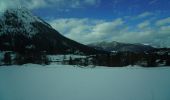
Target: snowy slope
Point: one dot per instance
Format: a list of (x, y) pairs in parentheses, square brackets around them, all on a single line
[(54, 82), (19, 20), (20, 29)]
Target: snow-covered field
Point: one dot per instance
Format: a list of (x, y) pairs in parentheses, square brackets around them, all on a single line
[(64, 82)]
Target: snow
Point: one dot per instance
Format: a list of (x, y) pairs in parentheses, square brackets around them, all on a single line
[(60, 58), (25, 17), (64, 82)]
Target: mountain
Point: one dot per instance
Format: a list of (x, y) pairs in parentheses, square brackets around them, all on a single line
[(21, 30), (117, 46)]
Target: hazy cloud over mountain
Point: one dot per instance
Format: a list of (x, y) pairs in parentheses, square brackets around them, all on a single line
[(35, 4)]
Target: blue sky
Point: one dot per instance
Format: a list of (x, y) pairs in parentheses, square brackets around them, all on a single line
[(107, 9), (86, 21)]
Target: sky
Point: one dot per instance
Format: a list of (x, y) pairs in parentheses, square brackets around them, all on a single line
[(87, 21)]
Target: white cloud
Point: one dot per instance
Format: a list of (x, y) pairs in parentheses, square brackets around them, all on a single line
[(59, 4), (144, 15), (4, 4), (106, 27), (87, 30), (163, 21), (144, 24), (91, 30), (165, 30), (153, 2), (33, 4), (92, 2)]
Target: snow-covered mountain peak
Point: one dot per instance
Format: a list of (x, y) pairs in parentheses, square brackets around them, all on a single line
[(20, 30), (23, 14), (19, 20)]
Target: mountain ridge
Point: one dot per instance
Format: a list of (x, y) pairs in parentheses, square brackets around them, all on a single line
[(119, 46), (20, 29)]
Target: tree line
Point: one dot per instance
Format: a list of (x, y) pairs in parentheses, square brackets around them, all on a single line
[(118, 59)]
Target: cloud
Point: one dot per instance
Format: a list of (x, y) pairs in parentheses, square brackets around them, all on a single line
[(92, 30), (145, 14), (166, 29), (87, 30), (153, 2), (33, 4), (162, 22), (92, 2), (106, 27), (144, 24), (59, 4), (142, 16), (4, 4)]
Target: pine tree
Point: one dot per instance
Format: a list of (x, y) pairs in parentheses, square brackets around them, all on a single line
[(7, 58), (70, 61)]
